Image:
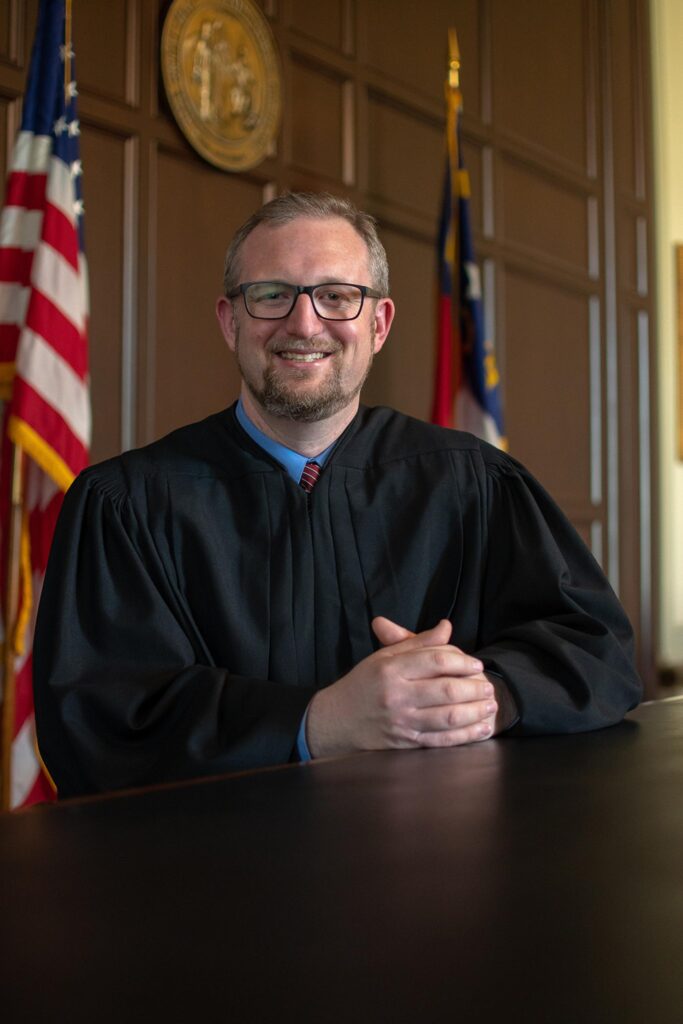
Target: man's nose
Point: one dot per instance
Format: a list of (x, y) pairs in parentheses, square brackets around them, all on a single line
[(303, 320)]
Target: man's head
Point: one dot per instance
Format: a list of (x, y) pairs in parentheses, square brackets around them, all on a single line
[(318, 206), (299, 359)]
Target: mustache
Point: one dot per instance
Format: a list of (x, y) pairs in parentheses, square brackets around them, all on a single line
[(303, 346)]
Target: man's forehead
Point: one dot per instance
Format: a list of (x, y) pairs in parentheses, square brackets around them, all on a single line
[(324, 224), (303, 242)]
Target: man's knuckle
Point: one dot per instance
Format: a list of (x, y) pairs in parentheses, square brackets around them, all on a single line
[(383, 697), (409, 737), (385, 670), (444, 739), (440, 660), (480, 731), (454, 718), (401, 735), (448, 691)]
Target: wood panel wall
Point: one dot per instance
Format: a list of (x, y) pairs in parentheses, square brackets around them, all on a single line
[(557, 142)]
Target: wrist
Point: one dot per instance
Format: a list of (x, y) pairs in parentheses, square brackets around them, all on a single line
[(508, 712), (318, 730)]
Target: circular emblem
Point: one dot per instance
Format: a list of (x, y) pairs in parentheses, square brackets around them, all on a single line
[(221, 75)]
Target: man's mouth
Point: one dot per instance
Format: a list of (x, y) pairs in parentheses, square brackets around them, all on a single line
[(303, 357), (292, 352)]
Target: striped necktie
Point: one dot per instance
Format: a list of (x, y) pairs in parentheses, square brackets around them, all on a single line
[(309, 476)]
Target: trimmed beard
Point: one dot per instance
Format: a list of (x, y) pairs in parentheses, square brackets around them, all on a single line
[(275, 395)]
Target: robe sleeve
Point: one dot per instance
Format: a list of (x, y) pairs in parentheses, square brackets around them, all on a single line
[(550, 623), (125, 694)]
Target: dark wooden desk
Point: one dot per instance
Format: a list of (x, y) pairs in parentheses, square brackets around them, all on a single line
[(525, 880)]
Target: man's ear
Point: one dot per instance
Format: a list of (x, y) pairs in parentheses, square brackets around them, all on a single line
[(384, 315), (225, 311)]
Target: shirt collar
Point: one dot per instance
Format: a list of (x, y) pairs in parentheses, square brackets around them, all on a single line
[(292, 462)]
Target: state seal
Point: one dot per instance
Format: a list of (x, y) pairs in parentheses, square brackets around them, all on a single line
[(222, 78)]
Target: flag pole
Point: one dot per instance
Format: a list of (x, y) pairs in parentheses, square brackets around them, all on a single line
[(454, 108), (11, 609), (466, 381), (454, 61), (67, 49), (448, 347)]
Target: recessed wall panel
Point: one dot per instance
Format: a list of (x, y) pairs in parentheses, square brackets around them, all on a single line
[(101, 47), (405, 159), (404, 370), (543, 216), (104, 168), (409, 43), (7, 10), (548, 383), (317, 111), (198, 211), (624, 83), (322, 22), (5, 55), (538, 65)]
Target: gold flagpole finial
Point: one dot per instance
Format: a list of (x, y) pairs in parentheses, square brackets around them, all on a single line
[(453, 60), (67, 49)]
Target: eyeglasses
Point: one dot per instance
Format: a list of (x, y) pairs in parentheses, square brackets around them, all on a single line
[(275, 300)]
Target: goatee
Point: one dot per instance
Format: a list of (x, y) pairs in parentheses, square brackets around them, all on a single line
[(276, 394)]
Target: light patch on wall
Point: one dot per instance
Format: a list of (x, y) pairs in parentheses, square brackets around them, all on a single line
[(679, 299), (667, 82)]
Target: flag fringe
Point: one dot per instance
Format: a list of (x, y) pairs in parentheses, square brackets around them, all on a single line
[(43, 767), (26, 601), (41, 452)]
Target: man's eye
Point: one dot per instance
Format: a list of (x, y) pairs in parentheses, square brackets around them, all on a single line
[(272, 295), (335, 296)]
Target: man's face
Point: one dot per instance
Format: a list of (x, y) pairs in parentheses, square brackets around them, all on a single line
[(303, 367)]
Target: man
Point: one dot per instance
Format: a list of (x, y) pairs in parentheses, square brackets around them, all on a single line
[(206, 610)]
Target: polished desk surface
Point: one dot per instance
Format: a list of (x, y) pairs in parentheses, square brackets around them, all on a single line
[(519, 879)]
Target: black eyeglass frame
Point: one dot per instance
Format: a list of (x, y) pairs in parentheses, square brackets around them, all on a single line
[(307, 289)]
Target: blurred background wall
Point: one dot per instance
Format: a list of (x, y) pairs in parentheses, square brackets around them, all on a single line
[(667, 39), (559, 145)]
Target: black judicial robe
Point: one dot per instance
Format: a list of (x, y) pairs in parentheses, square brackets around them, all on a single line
[(196, 598)]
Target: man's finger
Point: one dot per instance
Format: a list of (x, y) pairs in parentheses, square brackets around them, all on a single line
[(432, 663), (446, 691), (450, 717), (388, 632), (391, 634), (458, 737)]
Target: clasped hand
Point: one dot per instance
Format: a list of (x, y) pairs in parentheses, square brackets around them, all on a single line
[(417, 691)]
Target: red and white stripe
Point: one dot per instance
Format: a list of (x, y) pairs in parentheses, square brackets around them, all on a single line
[(43, 350)]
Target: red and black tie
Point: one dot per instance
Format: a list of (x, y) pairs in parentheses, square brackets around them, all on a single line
[(310, 475)]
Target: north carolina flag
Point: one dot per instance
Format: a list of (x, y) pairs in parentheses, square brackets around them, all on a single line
[(467, 384), (44, 383)]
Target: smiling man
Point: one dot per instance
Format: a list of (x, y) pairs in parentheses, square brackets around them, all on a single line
[(303, 362), (300, 576)]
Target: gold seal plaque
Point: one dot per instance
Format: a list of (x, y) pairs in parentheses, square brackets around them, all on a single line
[(222, 79)]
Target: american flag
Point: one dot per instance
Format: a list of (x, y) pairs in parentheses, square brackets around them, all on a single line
[(44, 381), (467, 386)]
